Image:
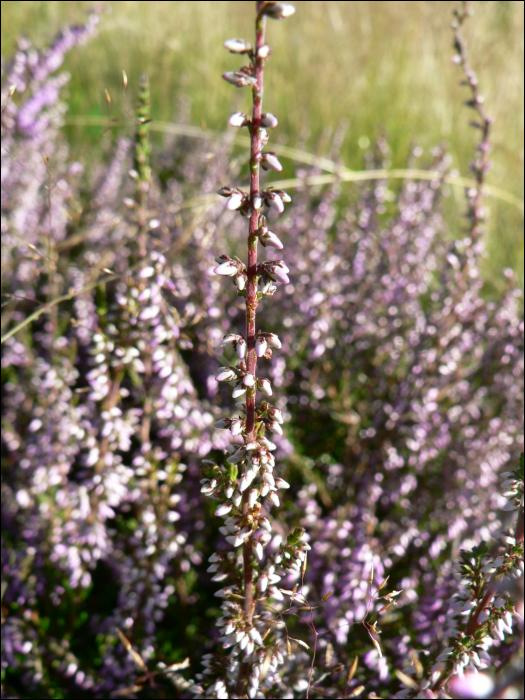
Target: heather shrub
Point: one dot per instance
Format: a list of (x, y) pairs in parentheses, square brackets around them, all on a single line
[(398, 385)]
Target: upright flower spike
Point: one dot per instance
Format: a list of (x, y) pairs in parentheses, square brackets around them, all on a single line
[(246, 482)]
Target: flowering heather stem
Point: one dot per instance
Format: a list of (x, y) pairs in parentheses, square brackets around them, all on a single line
[(246, 525), (251, 286)]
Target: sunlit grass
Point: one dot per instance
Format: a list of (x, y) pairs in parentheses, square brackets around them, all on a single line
[(364, 65)]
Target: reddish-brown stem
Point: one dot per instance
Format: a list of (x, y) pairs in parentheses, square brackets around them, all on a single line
[(251, 289)]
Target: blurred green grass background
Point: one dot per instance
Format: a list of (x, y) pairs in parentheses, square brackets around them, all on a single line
[(362, 65)]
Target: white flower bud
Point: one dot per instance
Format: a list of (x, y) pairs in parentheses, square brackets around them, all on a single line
[(263, 138), (260, 346), (278, 10), (269, 121), (237, 456), (273, 340), (228, 268), (239, 79), (223, 423), (274, 498), (257, 547), (268, 444), (238, 390), (270, 240), (147, 272), (276, 415), (240, 280), (236, 427), (240, 349), (264, 51), (265, 524), (268, 478), (249, 379), (237, 46), (236, 201), (274, 427), (246, 479), (226, 374), (239, 119), (230, 339), (264, 386), (269, 161)]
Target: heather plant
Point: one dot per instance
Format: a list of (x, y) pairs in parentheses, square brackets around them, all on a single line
[(399, 387)]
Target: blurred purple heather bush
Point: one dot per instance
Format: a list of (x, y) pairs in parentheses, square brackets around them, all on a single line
[(401, 385)]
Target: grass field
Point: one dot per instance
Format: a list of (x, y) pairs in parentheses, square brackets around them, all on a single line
[(357, 66)]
